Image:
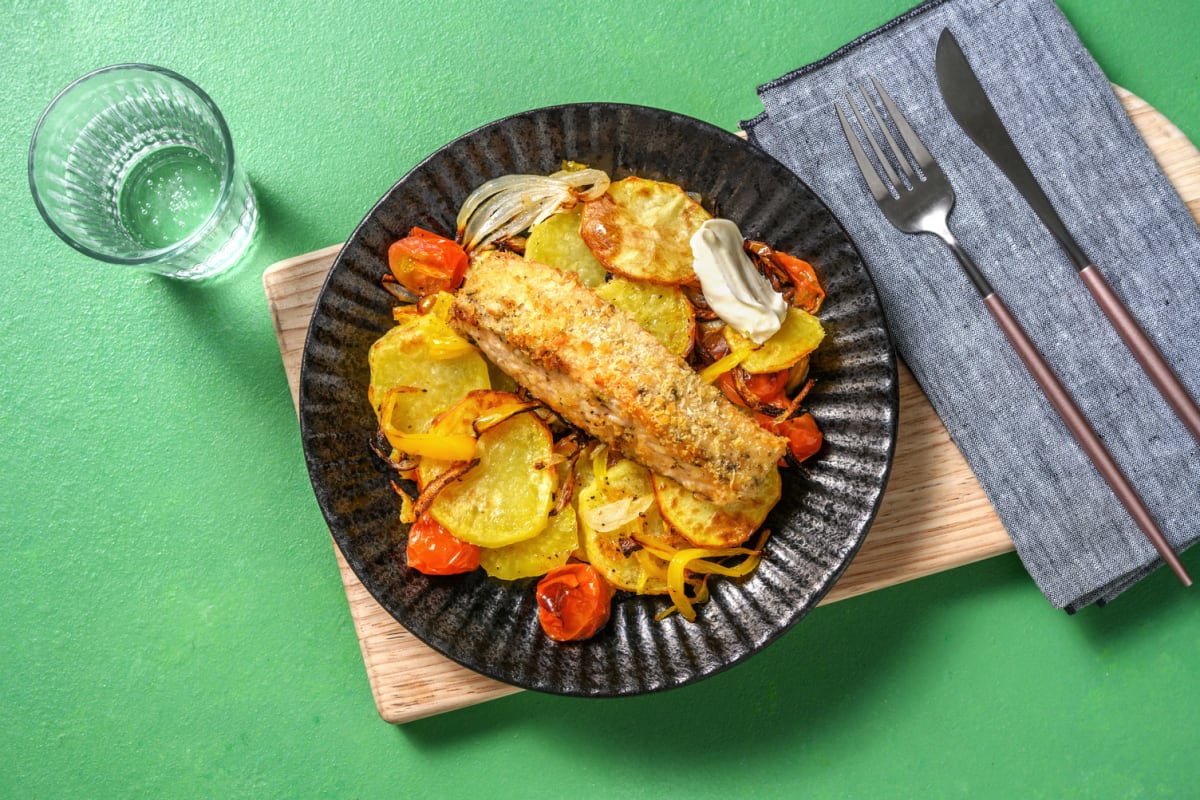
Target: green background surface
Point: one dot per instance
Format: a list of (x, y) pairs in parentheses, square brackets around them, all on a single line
[(173, 622)]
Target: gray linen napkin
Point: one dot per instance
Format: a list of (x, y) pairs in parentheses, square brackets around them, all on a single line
[(1075, 539)]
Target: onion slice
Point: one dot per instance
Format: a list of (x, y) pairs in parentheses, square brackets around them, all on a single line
[(695, 560), (616, 514), (435, 486), (499, 414), (512, 204)]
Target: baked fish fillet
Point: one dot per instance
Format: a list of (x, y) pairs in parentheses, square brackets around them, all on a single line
[(603, 373)]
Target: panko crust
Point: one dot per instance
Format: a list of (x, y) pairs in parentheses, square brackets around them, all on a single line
[(603, 373)]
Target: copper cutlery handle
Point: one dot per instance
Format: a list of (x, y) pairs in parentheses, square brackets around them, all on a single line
[(922, 204), (1082, 430), (1144, 351)]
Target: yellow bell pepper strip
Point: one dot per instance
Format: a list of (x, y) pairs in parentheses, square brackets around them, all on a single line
[(443, 447)]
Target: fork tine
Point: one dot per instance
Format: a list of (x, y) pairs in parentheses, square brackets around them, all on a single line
[(864, 163), (883, 160), (887, 134), (906, 132)]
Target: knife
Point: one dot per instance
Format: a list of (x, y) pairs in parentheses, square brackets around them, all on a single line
[(970, 107)]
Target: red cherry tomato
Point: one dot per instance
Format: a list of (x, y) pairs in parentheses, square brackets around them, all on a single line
[(803, 435), (425, 263), (433, 550), (768, 387), (809, 293), (573, 602), (727, 386)]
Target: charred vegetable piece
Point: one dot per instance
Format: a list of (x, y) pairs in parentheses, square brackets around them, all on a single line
[(808, 295)]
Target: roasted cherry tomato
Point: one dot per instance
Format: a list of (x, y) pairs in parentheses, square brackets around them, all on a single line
[(573, 602), (768, 387), (728, 387), (765, 388), (803, 435), (809, 293), (433, 550), (425, 263)]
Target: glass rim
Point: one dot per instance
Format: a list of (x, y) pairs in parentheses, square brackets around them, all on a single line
[(162, 253)]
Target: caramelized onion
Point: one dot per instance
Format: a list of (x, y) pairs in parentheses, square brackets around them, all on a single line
[(499, 414), (407, 513), (435, 486)]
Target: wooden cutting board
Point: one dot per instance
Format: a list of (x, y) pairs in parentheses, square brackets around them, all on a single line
[(934, 514)]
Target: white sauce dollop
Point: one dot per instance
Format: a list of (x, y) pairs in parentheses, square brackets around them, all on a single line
[(736, 290)]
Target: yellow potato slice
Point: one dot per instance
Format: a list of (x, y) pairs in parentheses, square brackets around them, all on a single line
[(706, 524), (799, 335), (624, 482), (549, 549), (402, 359), (642, 229), (663, 310), (507, 497), (556, 241)]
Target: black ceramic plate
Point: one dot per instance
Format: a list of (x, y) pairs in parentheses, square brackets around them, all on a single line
[(827, 505)]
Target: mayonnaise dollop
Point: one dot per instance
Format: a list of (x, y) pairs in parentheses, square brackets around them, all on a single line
[(732, 285)]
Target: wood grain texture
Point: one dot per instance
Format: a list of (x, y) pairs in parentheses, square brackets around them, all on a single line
[(934, 515)]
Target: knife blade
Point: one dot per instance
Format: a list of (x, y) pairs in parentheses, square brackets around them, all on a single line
[(974, 113)]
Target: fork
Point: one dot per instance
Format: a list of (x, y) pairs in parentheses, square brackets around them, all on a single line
[(921, 202)]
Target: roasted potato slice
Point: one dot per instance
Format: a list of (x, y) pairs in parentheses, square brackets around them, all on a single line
[(642, 229), (549, 549), (799, 335), (556, 241), (612, 549), (706, 524), (663, 310), (403, 359), (507, 497)]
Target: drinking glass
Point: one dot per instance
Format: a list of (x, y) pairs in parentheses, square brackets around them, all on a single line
[(133, 164)]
